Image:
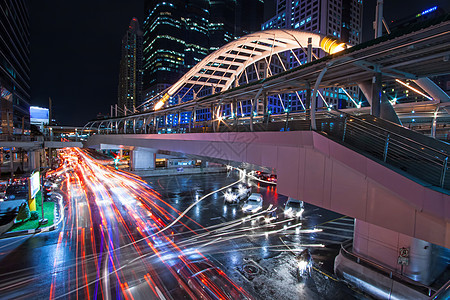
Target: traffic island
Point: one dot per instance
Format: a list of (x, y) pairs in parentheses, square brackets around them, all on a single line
[(29, 224), (52, 212)]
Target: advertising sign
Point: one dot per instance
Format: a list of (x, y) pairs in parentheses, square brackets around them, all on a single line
[(35, 184), (39, 115)]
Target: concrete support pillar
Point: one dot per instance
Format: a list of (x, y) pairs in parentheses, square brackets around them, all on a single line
[(385, 109), (425, 263), (142, 159), (34, 160)]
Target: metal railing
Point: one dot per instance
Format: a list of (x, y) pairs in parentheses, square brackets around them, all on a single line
[(392, 274), (421, 158), (409, 152), (442, 293)]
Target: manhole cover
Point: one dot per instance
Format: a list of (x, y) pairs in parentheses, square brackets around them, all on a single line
[(251, 269)]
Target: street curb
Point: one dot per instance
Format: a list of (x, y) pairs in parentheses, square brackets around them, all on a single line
[(37, 230), (29, 231)]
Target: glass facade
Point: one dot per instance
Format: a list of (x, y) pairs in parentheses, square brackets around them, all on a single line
[(180, 33), (14, 67), (175, 39), (338, 18), (131, 68)]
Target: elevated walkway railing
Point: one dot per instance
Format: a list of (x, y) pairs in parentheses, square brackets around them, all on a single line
[(414, 155), (443, 293), (410, 152)]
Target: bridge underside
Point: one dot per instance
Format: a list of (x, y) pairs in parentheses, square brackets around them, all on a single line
[(319, 171)]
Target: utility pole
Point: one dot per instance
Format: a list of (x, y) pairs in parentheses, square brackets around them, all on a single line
[(50, 111), (378, 24)]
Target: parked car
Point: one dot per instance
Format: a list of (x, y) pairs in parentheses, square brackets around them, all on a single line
[(209, 282), (3, 186), (253, 204), (16, 192), (294, 208), (237, 193)]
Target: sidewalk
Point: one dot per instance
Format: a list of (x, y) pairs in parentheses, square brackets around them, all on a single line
[(178, 171)]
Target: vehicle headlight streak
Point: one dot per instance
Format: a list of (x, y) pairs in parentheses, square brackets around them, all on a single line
[(104, 187), (116, 194)]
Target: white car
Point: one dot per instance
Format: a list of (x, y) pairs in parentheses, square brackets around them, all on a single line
[(294, 208), (253, 204), (237, 193)]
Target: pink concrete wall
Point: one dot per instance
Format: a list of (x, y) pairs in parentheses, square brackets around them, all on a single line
[(319, 171), (381, 245)]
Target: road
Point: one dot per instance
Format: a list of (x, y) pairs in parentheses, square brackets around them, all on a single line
[(260, 249), (126, 238)]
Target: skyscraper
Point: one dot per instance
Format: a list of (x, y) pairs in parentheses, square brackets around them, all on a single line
[(14, 67), (338, 18), (222, 22), (180, 33), (175, 39), (131, 68)]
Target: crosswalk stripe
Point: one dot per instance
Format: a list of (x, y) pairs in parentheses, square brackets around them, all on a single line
[(341, 223), (337, 229)]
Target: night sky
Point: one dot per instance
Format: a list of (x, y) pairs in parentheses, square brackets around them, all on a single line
[(75, 50), (75, 55)]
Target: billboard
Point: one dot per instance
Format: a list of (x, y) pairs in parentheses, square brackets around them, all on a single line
[(35, 184), (39, 115)]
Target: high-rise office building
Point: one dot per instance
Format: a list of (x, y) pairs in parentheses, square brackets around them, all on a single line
[(14, 67), (338, 18), (175, 39), (131, 68), (222, 22), (180, 33)]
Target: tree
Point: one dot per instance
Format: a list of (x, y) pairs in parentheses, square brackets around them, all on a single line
[(24, 213)]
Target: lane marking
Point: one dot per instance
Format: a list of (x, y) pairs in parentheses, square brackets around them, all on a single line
[(336, 229)]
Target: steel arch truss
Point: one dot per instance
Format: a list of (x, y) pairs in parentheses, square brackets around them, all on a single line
[(222, 69)]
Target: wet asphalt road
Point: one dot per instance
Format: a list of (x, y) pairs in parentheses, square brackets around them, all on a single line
[(272, 265), (53, 263)]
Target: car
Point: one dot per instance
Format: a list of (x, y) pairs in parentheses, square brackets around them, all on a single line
[(16, 192), (294, 208), (48, 190), (209, 282), (3, 186), (261, 175), (272, 178), (266, 176), (237, 193), (253, 204)]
